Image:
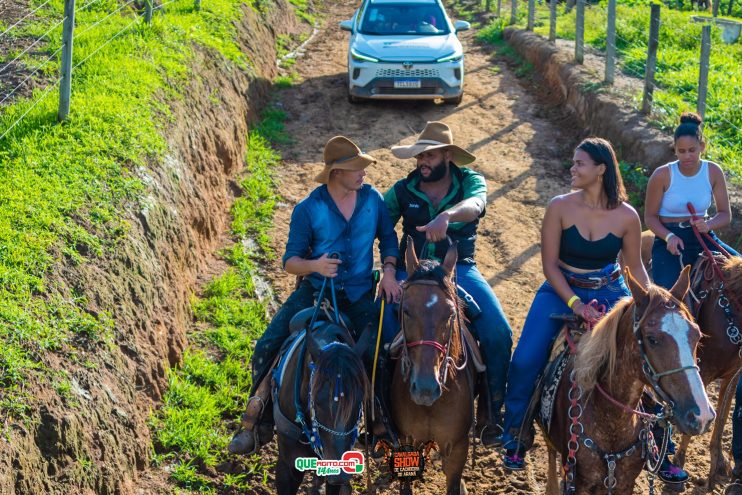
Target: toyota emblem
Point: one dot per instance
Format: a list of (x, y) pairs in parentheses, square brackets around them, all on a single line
[(407, 65)]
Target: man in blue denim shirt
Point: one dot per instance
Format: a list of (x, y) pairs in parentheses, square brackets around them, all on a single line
[(442, 198), (342, 216)]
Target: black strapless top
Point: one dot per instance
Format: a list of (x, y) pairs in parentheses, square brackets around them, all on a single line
[(578, 252)]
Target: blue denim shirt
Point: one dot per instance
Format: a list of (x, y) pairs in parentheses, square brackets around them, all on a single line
[(318, 227)]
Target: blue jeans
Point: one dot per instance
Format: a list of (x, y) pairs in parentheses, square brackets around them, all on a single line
[(491, 329), (539, 330), (666, 266)]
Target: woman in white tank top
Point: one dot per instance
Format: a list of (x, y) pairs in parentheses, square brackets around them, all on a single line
[(669, 191)]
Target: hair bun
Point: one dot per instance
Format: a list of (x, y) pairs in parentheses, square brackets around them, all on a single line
[(690, 118)]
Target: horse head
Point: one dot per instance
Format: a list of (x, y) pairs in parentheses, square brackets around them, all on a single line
[(429, 320), (337, 390), (668, 338)]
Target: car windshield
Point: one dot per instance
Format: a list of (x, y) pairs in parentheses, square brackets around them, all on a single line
[(401, 19)]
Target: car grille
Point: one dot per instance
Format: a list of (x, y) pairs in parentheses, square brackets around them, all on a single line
[(407, 73)]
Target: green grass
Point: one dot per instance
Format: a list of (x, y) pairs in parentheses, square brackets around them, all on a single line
[(207, 394), (677, 67), (65, 190)]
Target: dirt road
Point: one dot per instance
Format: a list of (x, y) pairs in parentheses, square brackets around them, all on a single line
[(523, 149)]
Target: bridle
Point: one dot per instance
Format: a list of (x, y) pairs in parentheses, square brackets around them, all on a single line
[(444, 350)]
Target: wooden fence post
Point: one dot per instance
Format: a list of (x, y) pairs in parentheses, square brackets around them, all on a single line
[(703, 71), (499, 8), (654, 36), (531, 15), (610, 41), (513, 11), (552, 20), (65, 86), (715, 8), (487, 5), (580, 32)]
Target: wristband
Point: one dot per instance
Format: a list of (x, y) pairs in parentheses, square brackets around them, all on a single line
[(572, 301), (668, 237), (389, 263)]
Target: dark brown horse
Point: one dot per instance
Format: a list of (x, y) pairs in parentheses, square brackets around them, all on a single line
[(721, 345), (647, 341), (333, 388), (432, 387)]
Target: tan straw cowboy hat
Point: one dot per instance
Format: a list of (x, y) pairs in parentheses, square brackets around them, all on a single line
[(436, 135), (342, 153)]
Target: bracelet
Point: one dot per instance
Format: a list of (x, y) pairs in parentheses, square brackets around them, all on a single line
[(572, 301), (668, 237)]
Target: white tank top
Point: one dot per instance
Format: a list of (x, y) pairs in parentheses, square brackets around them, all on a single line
[(696, 190)]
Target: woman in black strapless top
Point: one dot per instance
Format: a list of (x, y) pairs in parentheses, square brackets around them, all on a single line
[(581, 236)]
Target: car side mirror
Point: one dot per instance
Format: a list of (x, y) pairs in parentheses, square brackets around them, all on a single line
[(461, 26), (348, 25)]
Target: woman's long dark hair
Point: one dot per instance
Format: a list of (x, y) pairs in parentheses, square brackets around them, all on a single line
[(601, 151)]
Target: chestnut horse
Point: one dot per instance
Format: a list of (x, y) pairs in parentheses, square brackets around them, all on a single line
[(649, 341), (721, 345), (332, 389), (432, 387)]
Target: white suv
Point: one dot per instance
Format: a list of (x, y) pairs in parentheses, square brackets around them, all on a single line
[(404, 49)]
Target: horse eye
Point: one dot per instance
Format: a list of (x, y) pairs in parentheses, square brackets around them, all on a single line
[(653, 341)]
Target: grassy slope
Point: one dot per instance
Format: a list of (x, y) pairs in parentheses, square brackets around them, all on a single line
[(64, 189)]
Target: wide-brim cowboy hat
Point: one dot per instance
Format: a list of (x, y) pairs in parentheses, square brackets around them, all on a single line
[(342, 153), (436, 135)]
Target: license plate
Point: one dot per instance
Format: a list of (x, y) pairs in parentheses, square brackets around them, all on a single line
[(407, 84)]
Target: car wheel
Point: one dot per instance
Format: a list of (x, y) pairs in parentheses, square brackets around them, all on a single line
[(354, 99), (454, 101)]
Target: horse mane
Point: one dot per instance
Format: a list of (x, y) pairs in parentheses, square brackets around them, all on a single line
[(352, 387), (598, 350), (732, 270), (429, 269)]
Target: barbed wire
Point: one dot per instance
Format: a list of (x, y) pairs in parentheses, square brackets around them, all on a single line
[(24, 18), (107, 42), (46, 92), (8, 64), (98, 22), (38, 67)]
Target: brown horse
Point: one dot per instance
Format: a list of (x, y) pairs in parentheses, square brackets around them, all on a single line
[(649, 340), (432, 386), (720, 348)]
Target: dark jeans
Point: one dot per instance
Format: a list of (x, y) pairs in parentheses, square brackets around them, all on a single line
[(360, 312), (666, 266), (737, 427)]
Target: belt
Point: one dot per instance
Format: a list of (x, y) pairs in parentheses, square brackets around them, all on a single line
[(594, 282)]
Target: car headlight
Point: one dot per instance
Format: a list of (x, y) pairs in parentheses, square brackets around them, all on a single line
[(360, 57), (453, 57)]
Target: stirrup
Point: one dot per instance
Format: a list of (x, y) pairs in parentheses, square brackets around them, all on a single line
[(670, 473)]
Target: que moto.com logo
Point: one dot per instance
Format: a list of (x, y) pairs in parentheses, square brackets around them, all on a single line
[(352, 463)]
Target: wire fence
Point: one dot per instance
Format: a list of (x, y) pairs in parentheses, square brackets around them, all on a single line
[(63, 56), (656, 69)]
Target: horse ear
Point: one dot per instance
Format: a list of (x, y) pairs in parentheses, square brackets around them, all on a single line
[(411, 261), (452, 255), (638, 292), (680, 289), (312, 346), (365, 340)]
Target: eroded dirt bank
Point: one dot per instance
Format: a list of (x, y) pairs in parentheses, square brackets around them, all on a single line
[(524, 146), (96, 439)]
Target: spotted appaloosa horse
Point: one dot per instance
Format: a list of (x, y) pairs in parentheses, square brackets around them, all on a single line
[(647, 341), (721, 346), (433, 383)]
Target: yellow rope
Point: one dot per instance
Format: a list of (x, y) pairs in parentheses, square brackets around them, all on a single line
[(376, 357)]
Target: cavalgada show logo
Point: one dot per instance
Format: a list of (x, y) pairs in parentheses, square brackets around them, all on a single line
[(351, 462)]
